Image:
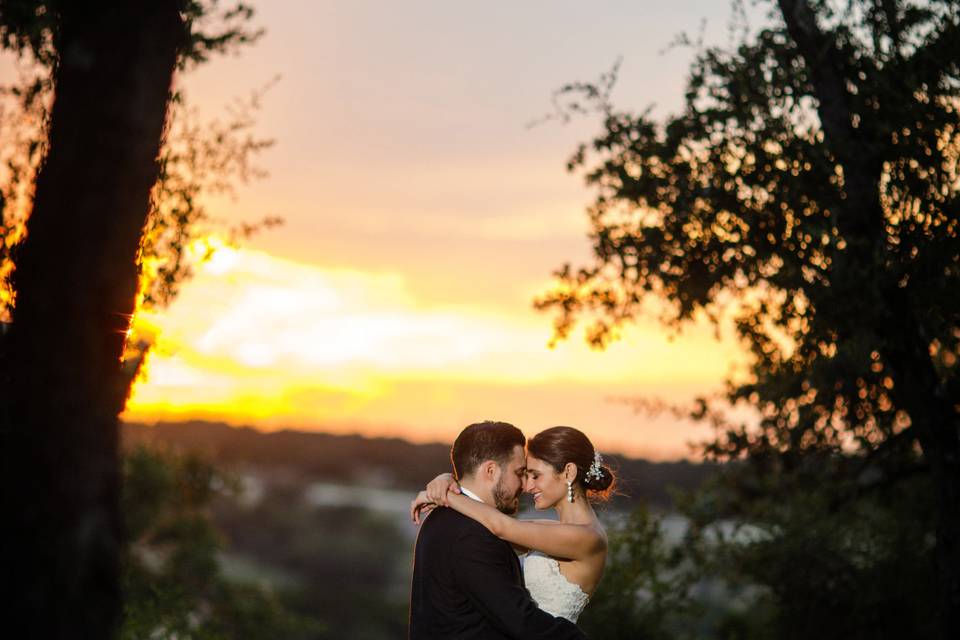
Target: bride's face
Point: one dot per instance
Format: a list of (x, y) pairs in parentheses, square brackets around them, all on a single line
[(544, 483)]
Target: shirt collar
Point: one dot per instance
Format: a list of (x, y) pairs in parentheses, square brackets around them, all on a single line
[(469, 494)]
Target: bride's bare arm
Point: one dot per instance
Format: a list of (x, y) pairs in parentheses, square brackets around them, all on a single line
[(571, 541)]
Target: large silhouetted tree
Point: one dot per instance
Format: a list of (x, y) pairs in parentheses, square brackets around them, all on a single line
[(62, 380), (809, 189)]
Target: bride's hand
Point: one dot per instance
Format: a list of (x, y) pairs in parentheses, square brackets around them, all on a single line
[(438, 487), (420, 507)]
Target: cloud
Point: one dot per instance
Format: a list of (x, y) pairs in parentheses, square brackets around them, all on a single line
[(261, 338)]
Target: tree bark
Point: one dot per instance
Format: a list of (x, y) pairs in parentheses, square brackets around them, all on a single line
[(75, 284)]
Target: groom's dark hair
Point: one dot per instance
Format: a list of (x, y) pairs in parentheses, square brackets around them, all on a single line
[(484, 441)]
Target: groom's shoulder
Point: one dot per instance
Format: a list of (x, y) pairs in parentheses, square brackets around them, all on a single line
[(446, 531), (452, 521)]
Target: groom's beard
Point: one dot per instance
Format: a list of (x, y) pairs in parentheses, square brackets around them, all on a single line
[(508, 503)]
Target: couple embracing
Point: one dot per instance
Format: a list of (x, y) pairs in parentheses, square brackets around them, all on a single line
[(468, 581)]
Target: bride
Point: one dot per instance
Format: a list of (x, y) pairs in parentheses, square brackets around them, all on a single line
[(563, 560)]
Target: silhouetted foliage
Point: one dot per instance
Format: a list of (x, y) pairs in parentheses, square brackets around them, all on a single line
[(729, 568), (348, 564), (644, 590), (82, 194), (198, 159), (33, 28), (808, 192), (172, 581)]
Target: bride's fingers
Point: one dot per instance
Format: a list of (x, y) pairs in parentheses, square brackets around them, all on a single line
[(436, 491), (422, 512), (416, 503), (417, 511), (437, 488)]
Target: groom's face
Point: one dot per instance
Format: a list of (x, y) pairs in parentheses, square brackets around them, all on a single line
[(506, 493)]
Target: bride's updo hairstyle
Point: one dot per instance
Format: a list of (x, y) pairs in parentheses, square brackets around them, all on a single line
[(559, 445)]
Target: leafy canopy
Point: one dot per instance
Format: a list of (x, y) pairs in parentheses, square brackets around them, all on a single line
[(812, 219)]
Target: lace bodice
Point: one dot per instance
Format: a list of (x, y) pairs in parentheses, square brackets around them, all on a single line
[(550, 589)]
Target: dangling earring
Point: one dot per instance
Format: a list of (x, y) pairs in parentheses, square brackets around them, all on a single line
[(569, 490)]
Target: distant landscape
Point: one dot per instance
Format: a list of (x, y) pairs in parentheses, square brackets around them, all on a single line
[(322, 520), (380, 462)]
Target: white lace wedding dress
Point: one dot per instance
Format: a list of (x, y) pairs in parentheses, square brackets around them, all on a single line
[(550, 589)]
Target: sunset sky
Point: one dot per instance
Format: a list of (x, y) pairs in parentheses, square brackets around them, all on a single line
[(422, 216)]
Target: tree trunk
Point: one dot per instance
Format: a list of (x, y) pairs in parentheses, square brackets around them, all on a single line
[(945, 469), (918, 389), (76, 284)]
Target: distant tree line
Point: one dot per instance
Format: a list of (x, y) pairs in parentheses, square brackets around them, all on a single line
[(394, 462)]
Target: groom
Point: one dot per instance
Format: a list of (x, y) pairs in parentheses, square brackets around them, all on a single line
[(467, 582)]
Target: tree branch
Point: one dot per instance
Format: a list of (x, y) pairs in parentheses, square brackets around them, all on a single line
[(821, 55)]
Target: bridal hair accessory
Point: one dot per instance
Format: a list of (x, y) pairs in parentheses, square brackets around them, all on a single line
[(594, 473), (569, 491)]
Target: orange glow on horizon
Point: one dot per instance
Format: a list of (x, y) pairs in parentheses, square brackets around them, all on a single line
[(260, 340)]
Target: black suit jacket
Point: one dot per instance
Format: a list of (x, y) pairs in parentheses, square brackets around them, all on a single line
[(467, 584)]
